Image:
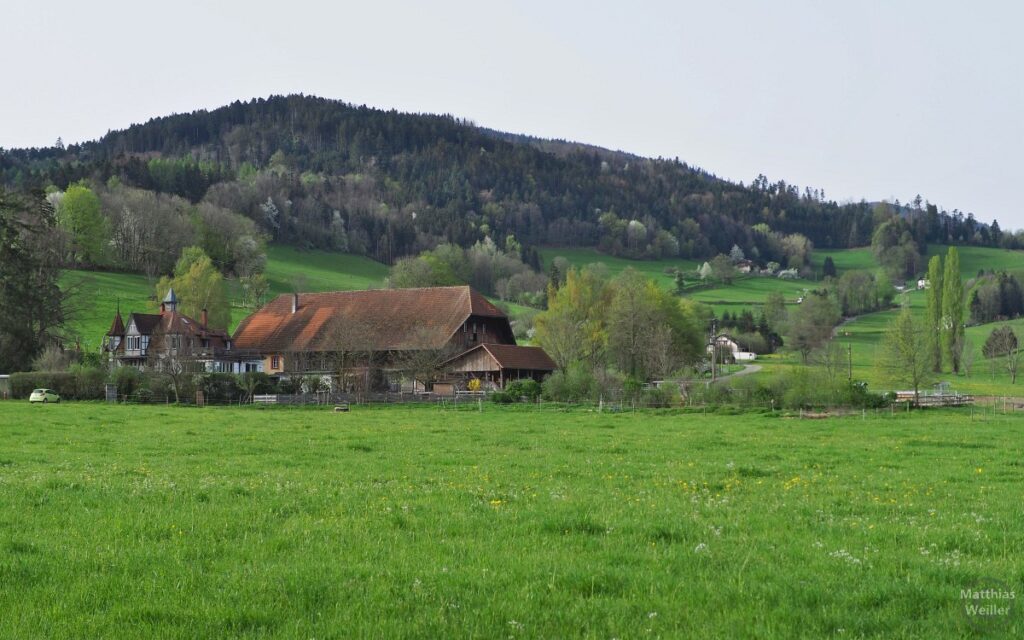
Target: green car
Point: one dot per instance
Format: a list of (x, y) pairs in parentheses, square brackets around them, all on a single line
[(44, 395)]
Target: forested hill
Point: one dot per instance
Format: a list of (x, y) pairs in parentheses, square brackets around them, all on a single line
[(322, 173)]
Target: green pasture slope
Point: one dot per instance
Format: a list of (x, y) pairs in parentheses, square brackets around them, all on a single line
[(746, 292), (164, 522), (97, 293), (865, 333), (972, 259), (288, 268), (654, 269)]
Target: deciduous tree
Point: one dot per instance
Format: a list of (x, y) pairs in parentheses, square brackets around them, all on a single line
[(198, 285), (904, 356), (80, 215)]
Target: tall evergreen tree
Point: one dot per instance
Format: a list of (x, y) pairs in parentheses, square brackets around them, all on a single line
[(952, 310), (933, 317), (829, 269), (31, 302)]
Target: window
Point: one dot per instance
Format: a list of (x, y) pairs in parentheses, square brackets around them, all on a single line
[(275, 362)]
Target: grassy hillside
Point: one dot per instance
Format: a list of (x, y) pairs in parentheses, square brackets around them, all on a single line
[(170, 522), (97, 293), (844, 259), (289, 269), (654, 269), (746, 292), (972, 259)]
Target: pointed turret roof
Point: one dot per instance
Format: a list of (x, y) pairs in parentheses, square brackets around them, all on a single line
[(117, 327), (170, 298)]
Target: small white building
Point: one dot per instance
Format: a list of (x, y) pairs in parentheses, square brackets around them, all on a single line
[(724, 342), (744, 356), (923, 283)]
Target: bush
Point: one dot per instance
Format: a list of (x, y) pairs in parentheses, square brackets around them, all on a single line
[(83, 383), (155, 386), (659, 397), (253, 383), (503, 397), (127, 380), (90, 382), (527, 389), (219, 387), (572, 384), (856, 394)]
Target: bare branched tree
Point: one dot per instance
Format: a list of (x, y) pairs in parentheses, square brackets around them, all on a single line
[(174, 356), (425, 365)]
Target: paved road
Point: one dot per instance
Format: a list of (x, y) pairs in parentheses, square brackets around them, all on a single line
[(746, 371)]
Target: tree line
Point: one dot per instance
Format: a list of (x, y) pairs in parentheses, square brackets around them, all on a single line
[(321, 173)]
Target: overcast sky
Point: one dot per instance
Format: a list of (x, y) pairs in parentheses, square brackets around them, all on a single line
[(863, 99)]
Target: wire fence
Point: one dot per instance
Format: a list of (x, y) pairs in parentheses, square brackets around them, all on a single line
[(612, 402)]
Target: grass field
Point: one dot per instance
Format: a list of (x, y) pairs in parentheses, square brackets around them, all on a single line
[(287, 267), (746, 292), (172, 522), (654, 269), (972, 259)]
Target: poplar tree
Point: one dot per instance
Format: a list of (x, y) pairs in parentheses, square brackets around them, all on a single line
[(933, 317), (952, 310)]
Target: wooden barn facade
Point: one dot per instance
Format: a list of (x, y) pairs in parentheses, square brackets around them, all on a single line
[(499, 364), (385, 336)]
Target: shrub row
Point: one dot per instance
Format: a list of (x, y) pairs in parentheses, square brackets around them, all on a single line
[(78, 383), (88, 383), (801, 388)]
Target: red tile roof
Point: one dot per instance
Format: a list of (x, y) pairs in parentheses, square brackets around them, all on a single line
[(382, 319)]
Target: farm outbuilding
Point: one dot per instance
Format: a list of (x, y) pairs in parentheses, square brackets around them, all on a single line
[(499, 364), (405, 338)]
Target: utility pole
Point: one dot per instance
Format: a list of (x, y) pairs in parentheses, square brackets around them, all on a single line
[(849, 353), (714, 348)]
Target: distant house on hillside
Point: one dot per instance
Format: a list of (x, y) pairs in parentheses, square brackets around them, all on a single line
[(377, 338), (745, 266), (735, 350), (154, 340)]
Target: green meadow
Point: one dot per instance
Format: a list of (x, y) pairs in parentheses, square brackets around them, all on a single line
[(746, 291), (422, 522), (288, 269), (654, 269)]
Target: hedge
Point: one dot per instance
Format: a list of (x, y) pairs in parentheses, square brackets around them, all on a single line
[(83, 384)]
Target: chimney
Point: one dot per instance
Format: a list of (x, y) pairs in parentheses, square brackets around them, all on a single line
[(295, 302), (163, 308), (203, 318)]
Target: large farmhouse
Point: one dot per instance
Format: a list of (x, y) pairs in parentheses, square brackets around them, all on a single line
[(381, 337), (154, 340)]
